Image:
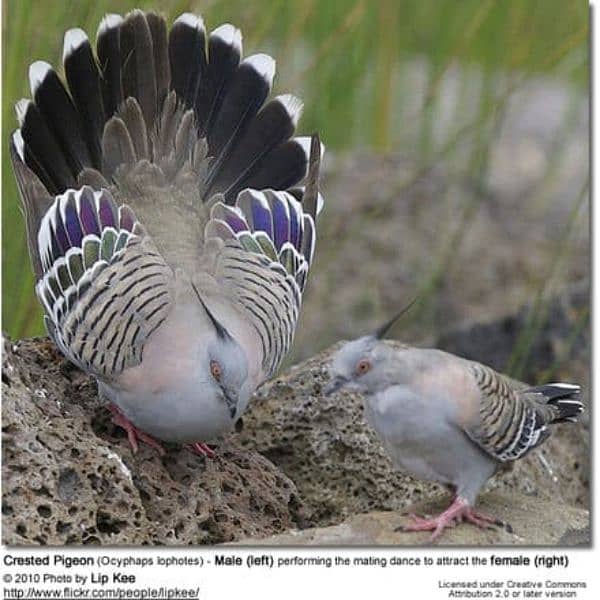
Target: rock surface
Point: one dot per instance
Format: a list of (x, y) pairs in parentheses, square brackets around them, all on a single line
[(527, 521), (69, 476), (301, 460)]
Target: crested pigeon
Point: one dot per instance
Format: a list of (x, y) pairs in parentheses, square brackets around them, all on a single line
[(444, 418), (170, 219)]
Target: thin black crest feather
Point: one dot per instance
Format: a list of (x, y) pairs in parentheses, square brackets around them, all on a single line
[(381, 331), (222, 333)]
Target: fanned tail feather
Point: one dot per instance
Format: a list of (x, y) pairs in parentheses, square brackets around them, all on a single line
[(92, 121), (563, 397)]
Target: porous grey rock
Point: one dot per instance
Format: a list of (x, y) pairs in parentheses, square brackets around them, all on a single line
[(69, 476), (325, 446), (301, 460)]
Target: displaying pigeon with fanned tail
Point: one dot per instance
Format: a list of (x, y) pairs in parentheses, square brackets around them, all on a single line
[(170, 219), (448, 419)]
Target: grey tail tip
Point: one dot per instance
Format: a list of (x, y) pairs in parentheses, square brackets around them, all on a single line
[(311, 192)]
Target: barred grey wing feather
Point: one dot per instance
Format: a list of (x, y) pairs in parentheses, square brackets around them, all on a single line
[(512, 419), (262, 267), (267, 294), (106, 288)]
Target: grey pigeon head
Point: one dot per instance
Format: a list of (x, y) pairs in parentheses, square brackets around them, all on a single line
[(366, 364), (226, 370), (223, 366), (358, 365)]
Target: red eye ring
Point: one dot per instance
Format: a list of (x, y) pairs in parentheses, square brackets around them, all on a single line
[(215, 370), (363, 366)]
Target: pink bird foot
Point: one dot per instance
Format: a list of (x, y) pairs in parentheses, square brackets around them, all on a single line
[(458, 511), (133, 433), (201, 449)]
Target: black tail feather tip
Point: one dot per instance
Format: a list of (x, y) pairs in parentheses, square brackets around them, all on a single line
[(565, 398)]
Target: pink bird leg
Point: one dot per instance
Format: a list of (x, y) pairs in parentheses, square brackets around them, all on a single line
[(202, 449), (133, 433), (458, 511)]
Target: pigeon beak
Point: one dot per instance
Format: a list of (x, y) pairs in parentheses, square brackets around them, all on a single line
[(231, 401), (335, 384)]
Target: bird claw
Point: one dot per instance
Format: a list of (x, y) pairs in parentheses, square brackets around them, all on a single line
[(422, 523), (482, 520), (202, 449), (458, 511), (149, 441), (133, 433), (435, 524)]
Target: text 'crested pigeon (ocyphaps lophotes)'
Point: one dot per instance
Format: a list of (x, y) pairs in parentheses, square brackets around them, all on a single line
[(448, 419), (170, 218)]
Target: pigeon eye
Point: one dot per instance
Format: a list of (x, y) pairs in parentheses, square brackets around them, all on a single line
[(215, 369), (363, 366)]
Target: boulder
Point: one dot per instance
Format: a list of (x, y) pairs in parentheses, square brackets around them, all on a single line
[(69, 476), (299, 460)]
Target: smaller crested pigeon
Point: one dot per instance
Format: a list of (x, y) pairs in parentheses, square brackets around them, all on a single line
[(448, 419), (170, 216)]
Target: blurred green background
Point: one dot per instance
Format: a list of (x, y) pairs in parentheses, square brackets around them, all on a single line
[(351, 62)]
